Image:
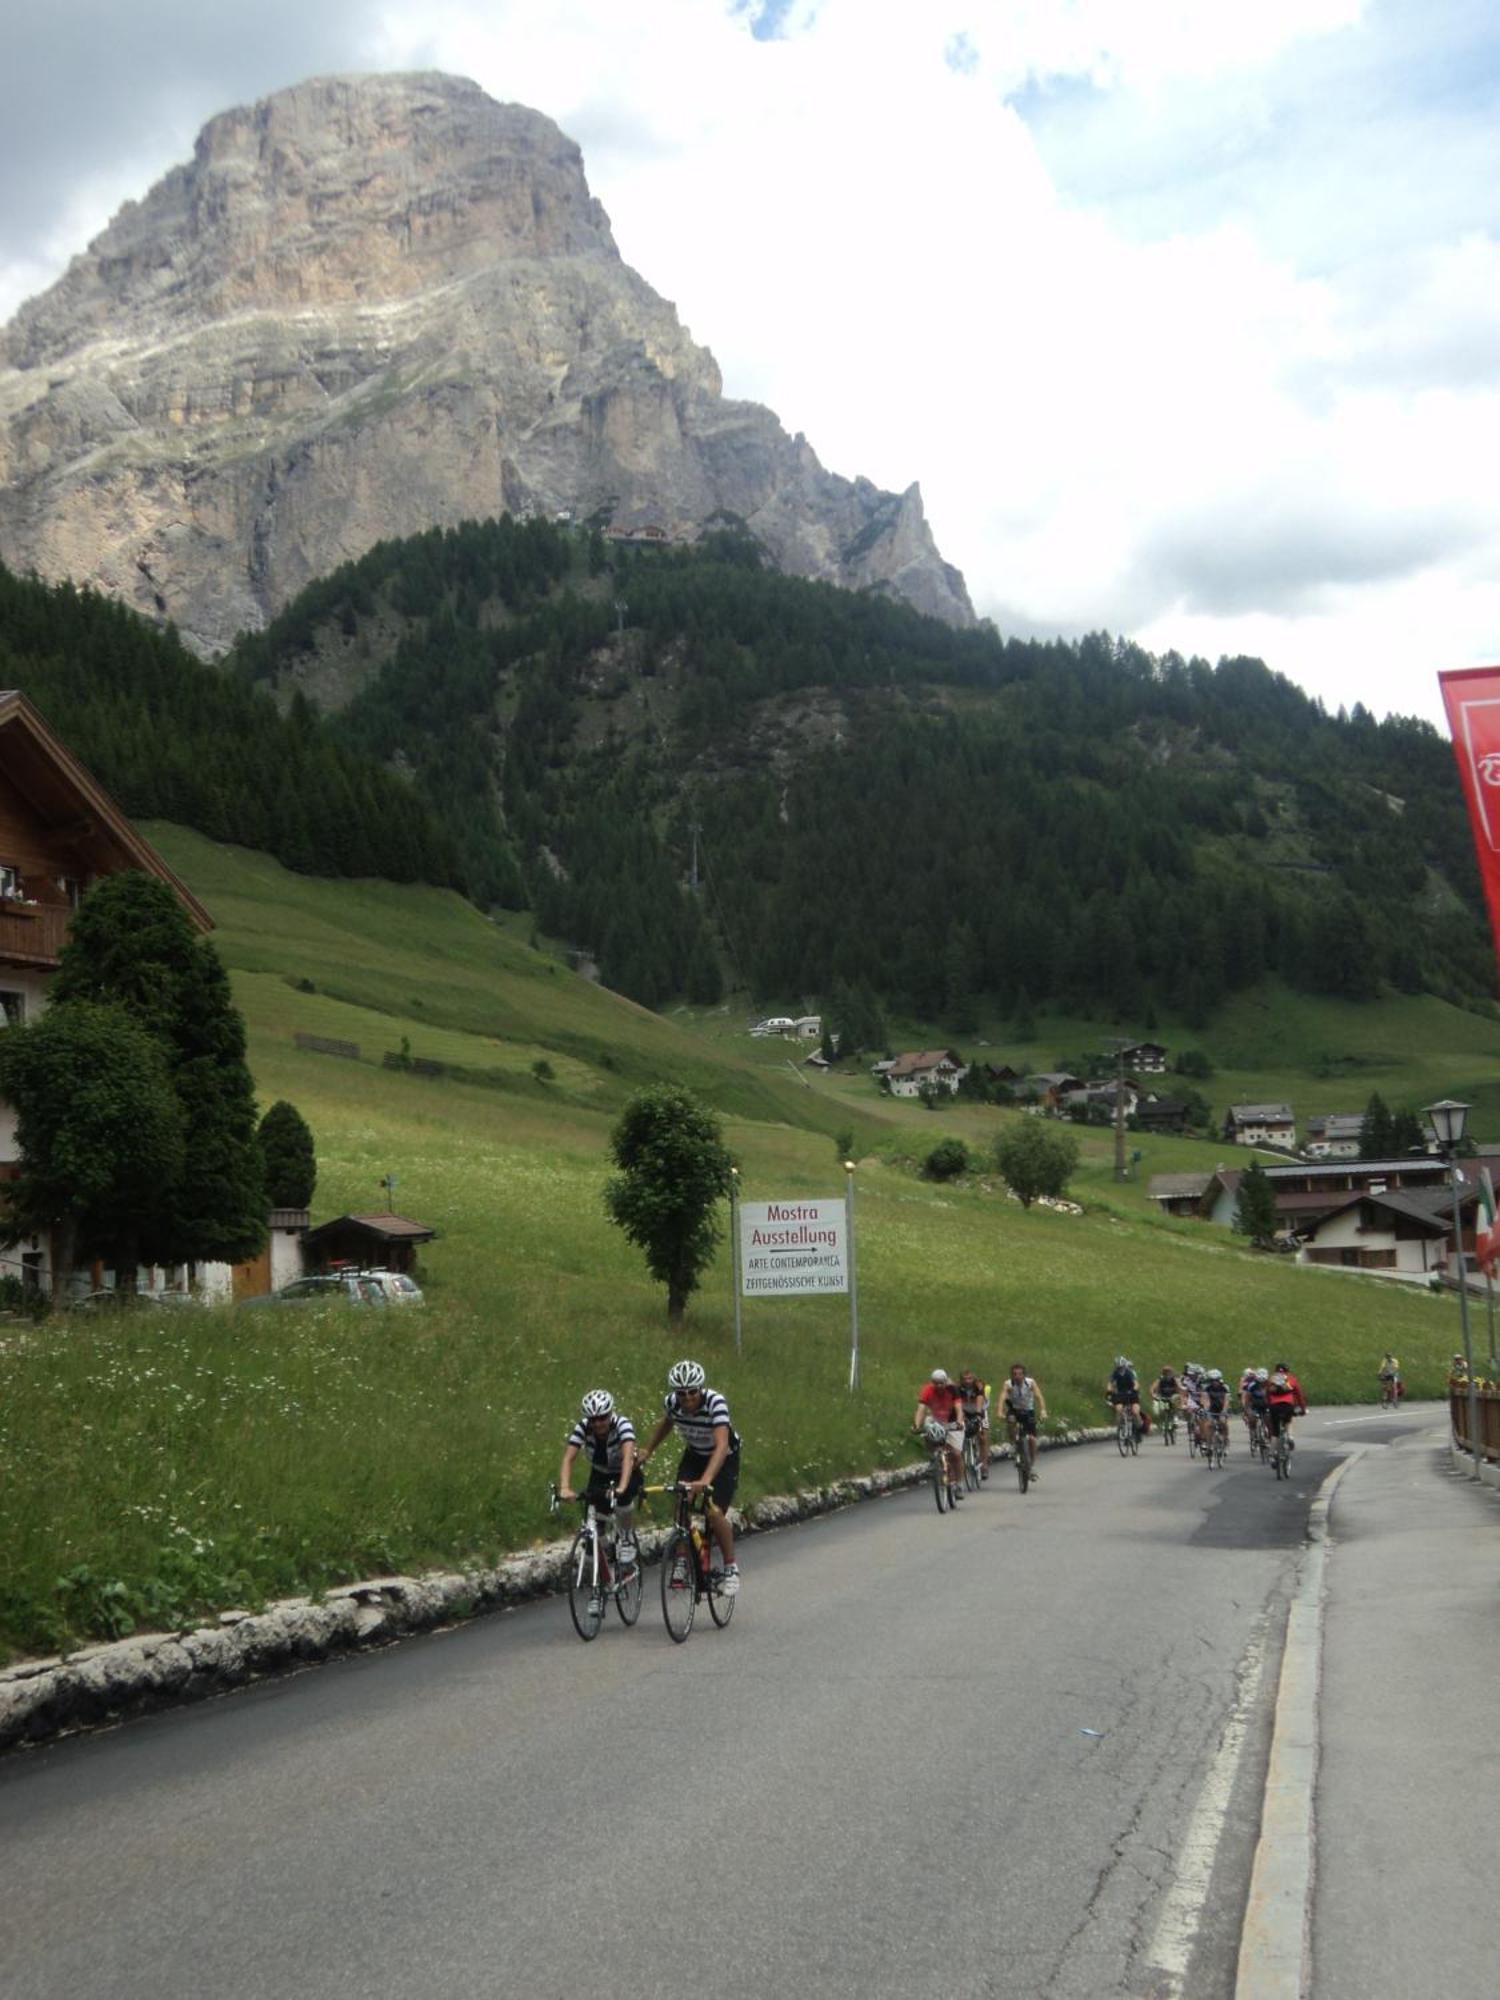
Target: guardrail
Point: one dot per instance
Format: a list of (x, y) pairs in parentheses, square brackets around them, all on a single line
[(1489, 1418)]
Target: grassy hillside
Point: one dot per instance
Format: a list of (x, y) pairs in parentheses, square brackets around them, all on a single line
[(152, 1471)]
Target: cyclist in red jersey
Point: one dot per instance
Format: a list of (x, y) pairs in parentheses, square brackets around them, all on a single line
[(1284, 1400), (939, 1399)]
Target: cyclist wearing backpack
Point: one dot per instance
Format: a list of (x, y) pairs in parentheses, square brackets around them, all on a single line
[(974, 1396), (1285, 1400), (614, 1476), (1123, 1390), (711, 1453)]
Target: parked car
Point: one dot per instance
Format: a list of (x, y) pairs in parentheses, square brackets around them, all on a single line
[(398, 1288), (332, 1288)]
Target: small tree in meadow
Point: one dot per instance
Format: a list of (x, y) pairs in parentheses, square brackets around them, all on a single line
[(1036, 1159), (674, 1171)]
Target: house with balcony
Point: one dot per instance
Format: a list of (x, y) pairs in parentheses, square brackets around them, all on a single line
[(1334, 1136), (1261, 1125), (929, 1069), (60, 832)]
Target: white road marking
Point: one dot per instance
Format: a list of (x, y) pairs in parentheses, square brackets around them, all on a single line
[(1274, 1942), (1177, 1926), (1343, 1423)]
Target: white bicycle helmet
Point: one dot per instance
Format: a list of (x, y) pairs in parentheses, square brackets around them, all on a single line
[(939, 1375), (1262, 1374), (1121, 1362), (598, 1403), (934, 1432), (685, 1375), (1216, 1375)]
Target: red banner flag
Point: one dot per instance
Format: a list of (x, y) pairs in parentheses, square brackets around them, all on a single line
[(1472, 698)]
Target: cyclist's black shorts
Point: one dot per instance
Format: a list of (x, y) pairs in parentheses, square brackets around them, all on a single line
[(693, 1465), (1279, 1415), (1024, 1420), (601, 1488)]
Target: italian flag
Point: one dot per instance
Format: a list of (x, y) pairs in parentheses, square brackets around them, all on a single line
[(1486, 1238)]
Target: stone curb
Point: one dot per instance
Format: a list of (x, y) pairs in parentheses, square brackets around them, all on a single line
[(104, 1684)]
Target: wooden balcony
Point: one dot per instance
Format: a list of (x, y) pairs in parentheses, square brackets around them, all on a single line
[(32, 933)]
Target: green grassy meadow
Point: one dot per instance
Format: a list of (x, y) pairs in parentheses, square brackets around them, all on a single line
[(158, 1466)]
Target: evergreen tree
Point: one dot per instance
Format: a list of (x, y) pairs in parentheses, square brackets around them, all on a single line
[(1376, 1132), (1255, 1206), (289, 1157), (131, 945)]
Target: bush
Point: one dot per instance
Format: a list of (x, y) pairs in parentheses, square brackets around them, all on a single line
[(948, 1159), (1036, 1159)]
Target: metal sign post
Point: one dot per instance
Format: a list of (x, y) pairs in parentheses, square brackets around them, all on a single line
[(853, 1278), (734, 1257)]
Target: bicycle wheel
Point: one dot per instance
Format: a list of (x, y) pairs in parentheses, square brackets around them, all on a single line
[(939, 1481), (720, 1607), (1192, 1438), (1122, 1437), (628, 1592), (585, 1599), (1281, 1459), (950, 1493), (679, 1587), (1023, 1463), (1135, 1438), (971, 1463)]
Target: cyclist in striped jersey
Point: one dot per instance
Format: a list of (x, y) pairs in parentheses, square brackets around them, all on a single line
[(711, 1452), (608, 1440)]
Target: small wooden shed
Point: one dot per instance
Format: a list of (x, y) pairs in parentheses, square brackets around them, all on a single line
[(383, 1242)]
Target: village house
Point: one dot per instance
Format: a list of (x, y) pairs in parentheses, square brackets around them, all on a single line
[(1178, 1194), (1334, 1136), (1161, 1114), (1261, 1125), (1403, 1233), (931, 1069), (1148, 1058), (1052, 1087), (60, 832), (1306, 1191)]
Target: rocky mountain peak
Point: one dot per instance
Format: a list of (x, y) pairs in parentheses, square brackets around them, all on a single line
[(368, 305)]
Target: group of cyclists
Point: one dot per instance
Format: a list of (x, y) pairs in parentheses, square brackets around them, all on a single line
[(710, 1460), (1202, 1396), (948, 1409)]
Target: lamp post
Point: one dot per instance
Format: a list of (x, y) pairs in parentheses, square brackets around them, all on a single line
[(1447, 1121)]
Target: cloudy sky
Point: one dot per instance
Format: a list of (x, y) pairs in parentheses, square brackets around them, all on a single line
[(1185, 315)]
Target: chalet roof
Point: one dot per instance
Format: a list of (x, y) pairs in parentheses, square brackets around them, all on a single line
[(1054, 1079), (913, 1063), (1262, 1114), (1347, 1124), (389, 1228), (1169, 1106), (1177, 1187), (61, 792), (1428, 1209)]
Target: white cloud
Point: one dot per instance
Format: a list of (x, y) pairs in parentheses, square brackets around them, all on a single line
[(1147, 294)]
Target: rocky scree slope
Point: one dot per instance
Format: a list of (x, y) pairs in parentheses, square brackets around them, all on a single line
[(368, 306)]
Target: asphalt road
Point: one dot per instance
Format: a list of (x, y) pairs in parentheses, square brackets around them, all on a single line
[(955, 1753)]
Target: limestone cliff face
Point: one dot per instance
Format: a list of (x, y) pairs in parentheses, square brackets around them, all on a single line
[(367, 306)]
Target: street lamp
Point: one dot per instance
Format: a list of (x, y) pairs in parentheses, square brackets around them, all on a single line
[(1446, 1118)]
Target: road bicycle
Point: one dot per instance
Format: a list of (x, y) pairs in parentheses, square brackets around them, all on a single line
[(1128, 1431), (1166, 1417), (595, 1572), (1216, 1451), (692, 1566), (1390, 1392), (1260, 1437), (939, 1473), (1280, 1453), (974, 1467), (1190, 1426), (1022, 1446)]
